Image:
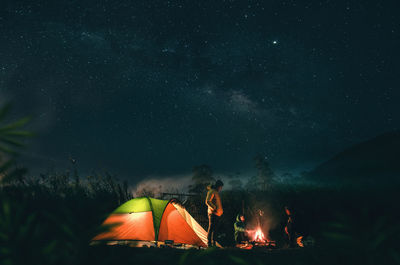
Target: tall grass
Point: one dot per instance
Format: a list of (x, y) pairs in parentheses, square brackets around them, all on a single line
[(51, 219)]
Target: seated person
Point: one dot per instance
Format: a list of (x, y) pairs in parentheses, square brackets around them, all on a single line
[(241, 233)]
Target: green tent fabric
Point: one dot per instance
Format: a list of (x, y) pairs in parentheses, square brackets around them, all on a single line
[(145, 204)]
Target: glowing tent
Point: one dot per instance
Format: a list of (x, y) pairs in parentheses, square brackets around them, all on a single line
[(148, 219)]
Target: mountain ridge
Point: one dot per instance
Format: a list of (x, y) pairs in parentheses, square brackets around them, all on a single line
[(377, 158)]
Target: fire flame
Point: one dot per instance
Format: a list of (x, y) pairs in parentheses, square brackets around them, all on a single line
[(259, 235)]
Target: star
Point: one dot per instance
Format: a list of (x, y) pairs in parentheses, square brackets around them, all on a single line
[(274, 42)]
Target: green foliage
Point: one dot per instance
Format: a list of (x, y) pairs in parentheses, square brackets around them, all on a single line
[(371, 237), (11, 141), (18, 229), (52, 219)]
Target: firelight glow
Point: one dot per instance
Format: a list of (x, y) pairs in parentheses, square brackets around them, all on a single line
[(259, 235)]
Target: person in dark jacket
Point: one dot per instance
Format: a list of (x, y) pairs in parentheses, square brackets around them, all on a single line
[(290, 228), (241, 233)]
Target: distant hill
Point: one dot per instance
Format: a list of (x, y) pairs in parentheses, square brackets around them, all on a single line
[(375, 160)]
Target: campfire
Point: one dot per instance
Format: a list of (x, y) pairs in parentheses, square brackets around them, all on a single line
[(259, 236), (259, 239)]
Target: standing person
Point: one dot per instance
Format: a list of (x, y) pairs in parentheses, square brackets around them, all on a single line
[(214, 204)]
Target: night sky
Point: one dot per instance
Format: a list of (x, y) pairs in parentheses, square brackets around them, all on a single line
[(152, 88)]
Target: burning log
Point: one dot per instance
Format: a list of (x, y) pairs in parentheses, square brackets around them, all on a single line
[(305, 241)]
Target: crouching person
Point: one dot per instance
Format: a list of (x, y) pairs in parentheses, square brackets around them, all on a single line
[(241, 233), (214, 204)]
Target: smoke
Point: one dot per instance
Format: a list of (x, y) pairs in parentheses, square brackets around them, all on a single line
[(263, 215), (154, 186)]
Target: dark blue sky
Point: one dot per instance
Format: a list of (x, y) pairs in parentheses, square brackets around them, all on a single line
[(156, 87)]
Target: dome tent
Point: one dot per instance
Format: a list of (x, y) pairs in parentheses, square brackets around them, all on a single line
[(149, 219)]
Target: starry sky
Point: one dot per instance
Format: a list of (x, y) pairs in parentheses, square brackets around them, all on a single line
[(152, 88)]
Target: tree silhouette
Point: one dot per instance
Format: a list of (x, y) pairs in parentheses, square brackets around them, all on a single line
[(265, 175), (202, 176), (236, 184)]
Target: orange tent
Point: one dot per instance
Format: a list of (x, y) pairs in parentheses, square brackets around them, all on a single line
[(148, 219)]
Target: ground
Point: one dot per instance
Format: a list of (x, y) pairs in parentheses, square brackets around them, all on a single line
[(150, 256)]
